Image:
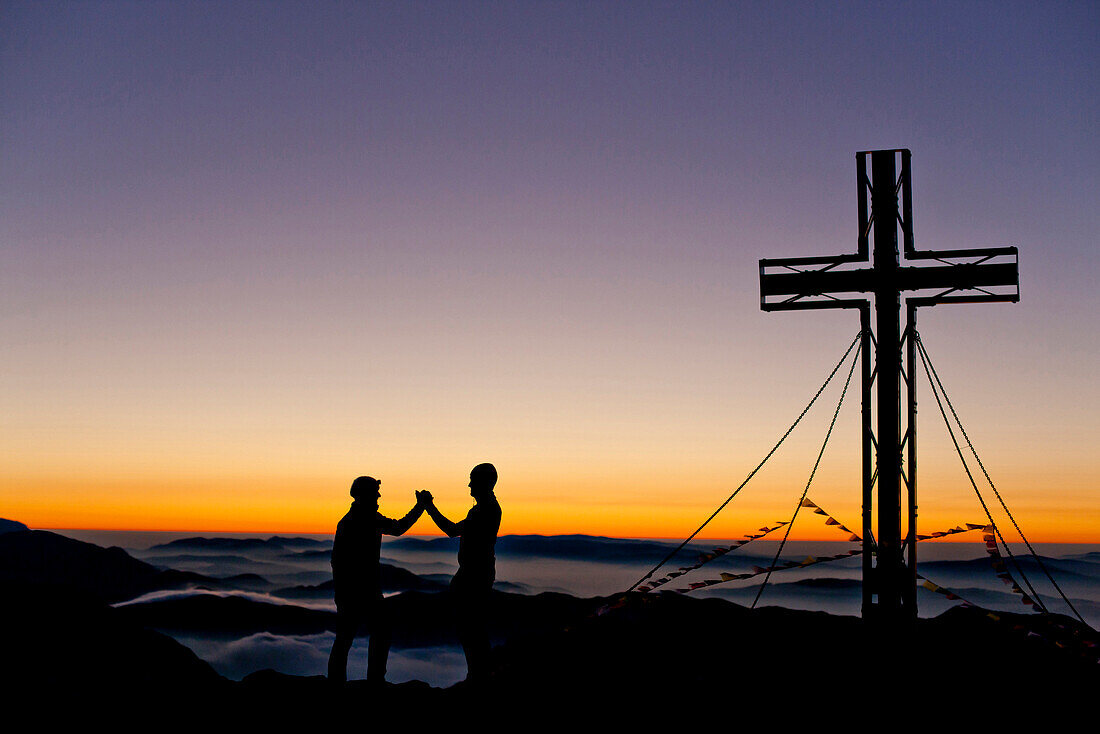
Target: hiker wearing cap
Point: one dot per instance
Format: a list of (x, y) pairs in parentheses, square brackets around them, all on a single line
[(471, 586), (357, 582)]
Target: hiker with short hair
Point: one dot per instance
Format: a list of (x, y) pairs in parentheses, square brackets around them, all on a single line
[(357, 581), (473, 583)]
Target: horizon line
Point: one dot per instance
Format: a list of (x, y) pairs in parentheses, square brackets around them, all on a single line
[(273, 533)]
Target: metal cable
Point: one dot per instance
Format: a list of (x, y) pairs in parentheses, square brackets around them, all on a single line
[(970, 476), (754, 471), (809, 481), (992, 486)]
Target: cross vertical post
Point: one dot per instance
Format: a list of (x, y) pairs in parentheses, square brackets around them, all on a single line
[(885, 206)]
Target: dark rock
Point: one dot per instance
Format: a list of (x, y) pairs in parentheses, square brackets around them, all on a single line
[(59, 644)]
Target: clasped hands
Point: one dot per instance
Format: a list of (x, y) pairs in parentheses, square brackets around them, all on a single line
[(423, 498)]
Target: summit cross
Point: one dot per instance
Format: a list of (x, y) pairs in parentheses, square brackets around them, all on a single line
[(885, 203)]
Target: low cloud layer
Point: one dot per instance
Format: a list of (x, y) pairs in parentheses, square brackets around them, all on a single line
[(308, 655), (154, 596)]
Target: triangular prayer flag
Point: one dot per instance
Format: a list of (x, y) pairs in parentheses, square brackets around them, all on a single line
[(831, 521), (807, 503), (820, 511)]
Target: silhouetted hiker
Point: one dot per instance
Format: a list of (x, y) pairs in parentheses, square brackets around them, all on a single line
[(357, 582), (472, 585)]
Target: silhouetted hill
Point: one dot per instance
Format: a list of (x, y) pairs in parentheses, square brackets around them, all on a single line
[(1067, 568), (668, 657), (10, 526), (658, 655), (393, 579), (562, 547), (252, 581), (675, 648), (110, 574), (62, 648), (220, 616), (1073, 576), (223, 559), (1091, 556), (322, 554), (420, 619), (587, 547), (663, 653), (274, 543), (298, 542)]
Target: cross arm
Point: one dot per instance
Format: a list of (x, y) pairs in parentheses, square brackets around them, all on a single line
[(821, 286)]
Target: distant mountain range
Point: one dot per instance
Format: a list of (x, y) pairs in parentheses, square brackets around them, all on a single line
[(275, 542), (562, 547)]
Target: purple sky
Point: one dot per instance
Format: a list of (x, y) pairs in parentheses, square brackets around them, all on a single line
[(274, 239)]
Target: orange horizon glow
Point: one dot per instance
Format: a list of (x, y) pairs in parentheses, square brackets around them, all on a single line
[(803, 530), (643, 485), (667, 505), (961, 538)]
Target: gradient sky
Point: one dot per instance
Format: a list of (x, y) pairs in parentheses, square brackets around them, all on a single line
[(252, 250)]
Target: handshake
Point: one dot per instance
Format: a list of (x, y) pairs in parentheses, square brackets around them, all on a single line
[(423, 498)]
